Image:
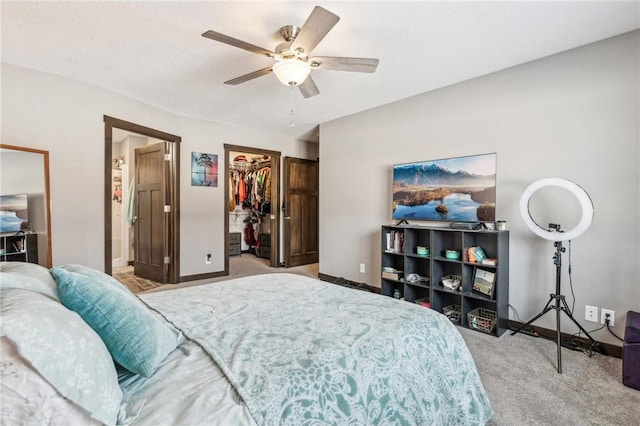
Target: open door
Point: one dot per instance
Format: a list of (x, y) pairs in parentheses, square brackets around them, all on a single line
[(301, 211), (150, 225), (172, 195)]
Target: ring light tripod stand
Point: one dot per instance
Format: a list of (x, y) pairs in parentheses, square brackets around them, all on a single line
[(557, 301)]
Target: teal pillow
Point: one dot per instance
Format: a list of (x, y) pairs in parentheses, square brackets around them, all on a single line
[(137, 339)]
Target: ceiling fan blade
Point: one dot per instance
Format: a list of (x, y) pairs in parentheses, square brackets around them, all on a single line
[(308, 88), (344, 64), (318, 24), (250, 76), (237, 43)]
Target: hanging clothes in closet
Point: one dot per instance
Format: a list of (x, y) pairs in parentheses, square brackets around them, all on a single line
[(250, 191), (250, 186)]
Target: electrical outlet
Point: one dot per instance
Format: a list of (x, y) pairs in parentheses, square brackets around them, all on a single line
[(612, 315), (207, 259), (591, 313), (362, 269)]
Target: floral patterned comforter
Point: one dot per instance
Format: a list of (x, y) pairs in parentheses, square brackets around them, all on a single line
[(301, 351)]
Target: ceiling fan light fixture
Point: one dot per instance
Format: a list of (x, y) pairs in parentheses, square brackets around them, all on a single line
[(291, 72)]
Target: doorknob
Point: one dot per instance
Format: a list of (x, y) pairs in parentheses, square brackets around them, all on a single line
[(134, 219)]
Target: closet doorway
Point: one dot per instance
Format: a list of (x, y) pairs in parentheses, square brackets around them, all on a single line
[(252, 210), (142, 200)]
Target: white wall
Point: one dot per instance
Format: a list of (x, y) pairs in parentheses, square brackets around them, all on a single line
[(65, 117), (573, 115)]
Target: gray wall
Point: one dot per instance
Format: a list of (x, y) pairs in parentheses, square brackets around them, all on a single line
[(48, 112), (573, 115)]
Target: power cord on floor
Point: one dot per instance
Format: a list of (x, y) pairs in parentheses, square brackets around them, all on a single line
[(573, 344), (577, 344), (528, 331)]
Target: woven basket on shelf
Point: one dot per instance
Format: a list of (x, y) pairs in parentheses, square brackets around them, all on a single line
[(482, 319), (453, 312), (451, 282)]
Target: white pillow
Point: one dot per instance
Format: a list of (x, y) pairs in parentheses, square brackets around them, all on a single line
[(28, 276), (64, 350), (28, 399)]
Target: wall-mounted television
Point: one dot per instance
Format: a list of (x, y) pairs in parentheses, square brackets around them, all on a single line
[(457, 189), (14, 213)]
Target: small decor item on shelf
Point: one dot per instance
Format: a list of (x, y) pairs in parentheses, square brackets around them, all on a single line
[(476, 254), (423, 302), (414, 278), (484, 282), (396, 294), (482, 319), (453, 312), (422, 251), (452, 254), (470, 256), (392, 274), (452, 282)]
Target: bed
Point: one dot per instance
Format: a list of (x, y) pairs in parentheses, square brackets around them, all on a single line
[(275, 349)]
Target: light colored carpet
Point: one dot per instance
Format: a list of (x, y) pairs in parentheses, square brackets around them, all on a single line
[(245, 265), (239, 266), (519, 372)]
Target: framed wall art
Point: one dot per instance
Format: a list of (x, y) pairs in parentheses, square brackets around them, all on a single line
[(204, 169)]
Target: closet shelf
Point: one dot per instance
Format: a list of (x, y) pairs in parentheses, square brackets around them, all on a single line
[(245, 166)]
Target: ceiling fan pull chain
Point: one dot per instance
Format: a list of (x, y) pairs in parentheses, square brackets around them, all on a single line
[(293, 124)]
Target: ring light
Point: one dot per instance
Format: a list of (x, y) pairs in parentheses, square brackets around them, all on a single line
[(557, 301), (583, 198)]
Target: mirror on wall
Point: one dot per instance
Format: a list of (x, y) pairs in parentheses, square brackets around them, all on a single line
[(25, 203)]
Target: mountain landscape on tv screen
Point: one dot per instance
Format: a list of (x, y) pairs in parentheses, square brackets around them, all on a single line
[(430, 191), (433, 175)]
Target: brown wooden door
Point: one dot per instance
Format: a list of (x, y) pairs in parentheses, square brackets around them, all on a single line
[(301, 211), (150, 227)]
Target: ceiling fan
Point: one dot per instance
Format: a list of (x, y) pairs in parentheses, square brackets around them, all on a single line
[(293, 61)]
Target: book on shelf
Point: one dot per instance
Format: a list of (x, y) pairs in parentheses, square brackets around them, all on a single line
[(484, 282), (489, 261), (479, 253), (392, 275), (476, 254), (395, 242)]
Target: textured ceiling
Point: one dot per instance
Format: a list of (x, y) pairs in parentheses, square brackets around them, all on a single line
[(154, 51)]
